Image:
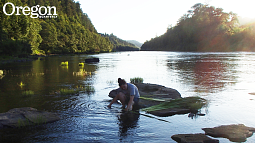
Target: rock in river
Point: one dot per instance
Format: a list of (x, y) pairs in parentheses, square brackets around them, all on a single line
[(19, 117), (157, 92), (193, 138), (235, 133), (92, 60), (163, 101)]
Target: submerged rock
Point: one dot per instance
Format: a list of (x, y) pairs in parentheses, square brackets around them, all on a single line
[(163, 101), (235, 133), (26, 116), (193, 138)]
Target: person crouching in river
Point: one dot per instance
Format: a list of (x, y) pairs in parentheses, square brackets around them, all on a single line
[(127, 94)]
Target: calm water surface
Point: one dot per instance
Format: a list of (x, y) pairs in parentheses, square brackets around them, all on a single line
[(224, 79)]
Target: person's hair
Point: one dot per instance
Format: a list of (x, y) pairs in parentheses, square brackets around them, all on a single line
[(121, 81)]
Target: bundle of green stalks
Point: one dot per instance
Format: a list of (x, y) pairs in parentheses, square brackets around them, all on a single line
[(192, 103)]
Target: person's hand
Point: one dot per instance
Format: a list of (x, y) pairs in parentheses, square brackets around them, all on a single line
[(109, 106)]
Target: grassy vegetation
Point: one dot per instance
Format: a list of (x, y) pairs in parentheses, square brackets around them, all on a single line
[(89, 89), (23, 123), (192, 103), (35, 121), (1, 74), (81, 72), (75, 90), (136, 80), (67, 91), (28, 93), (64, 63), (39, 120), (81, 64), (21, 84)]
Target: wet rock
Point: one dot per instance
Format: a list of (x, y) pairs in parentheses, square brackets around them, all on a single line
[(153, 94), (193, 138), (160, 92), (154, 91), (235, 133), (92, 60), (169, 112), (26, 116)]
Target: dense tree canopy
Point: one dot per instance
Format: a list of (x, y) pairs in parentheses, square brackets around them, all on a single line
[(72, 30), (205, 28)]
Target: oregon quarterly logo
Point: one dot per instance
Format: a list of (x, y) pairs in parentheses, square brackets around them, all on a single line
[(34, 11)]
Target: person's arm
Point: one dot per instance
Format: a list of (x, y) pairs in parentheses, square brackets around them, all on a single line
[(130, 103)]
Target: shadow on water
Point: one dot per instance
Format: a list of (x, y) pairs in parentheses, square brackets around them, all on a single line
[(127, 122)]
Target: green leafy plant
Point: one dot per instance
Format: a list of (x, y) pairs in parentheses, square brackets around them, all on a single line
[(89, 89), (136, 80)]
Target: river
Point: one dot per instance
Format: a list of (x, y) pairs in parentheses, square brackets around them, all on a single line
[(226, 80)]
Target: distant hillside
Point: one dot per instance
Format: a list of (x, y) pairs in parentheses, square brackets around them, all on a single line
[(136, 43), (205, 29), (119, 44)]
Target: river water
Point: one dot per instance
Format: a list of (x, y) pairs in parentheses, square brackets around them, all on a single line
[(226, 80)]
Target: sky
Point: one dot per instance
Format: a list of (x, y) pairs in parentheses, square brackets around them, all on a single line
[(142, 20)]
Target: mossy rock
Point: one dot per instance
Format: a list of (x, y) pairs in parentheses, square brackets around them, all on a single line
[(20, 117)]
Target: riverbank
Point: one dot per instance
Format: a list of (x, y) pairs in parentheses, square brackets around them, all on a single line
[(9, 59), (26, 58)]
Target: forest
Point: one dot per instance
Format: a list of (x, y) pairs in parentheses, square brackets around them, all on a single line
[(119, 44), (205, 28), (71, 32)]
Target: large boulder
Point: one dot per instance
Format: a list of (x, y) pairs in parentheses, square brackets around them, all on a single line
[(193, 138), (156, 92), (152, 94), (19, 117), (163, 101), (235, 133)]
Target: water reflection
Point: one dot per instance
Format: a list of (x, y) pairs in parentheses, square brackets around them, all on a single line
[(127, 122), (42, 77), (208, 73)]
